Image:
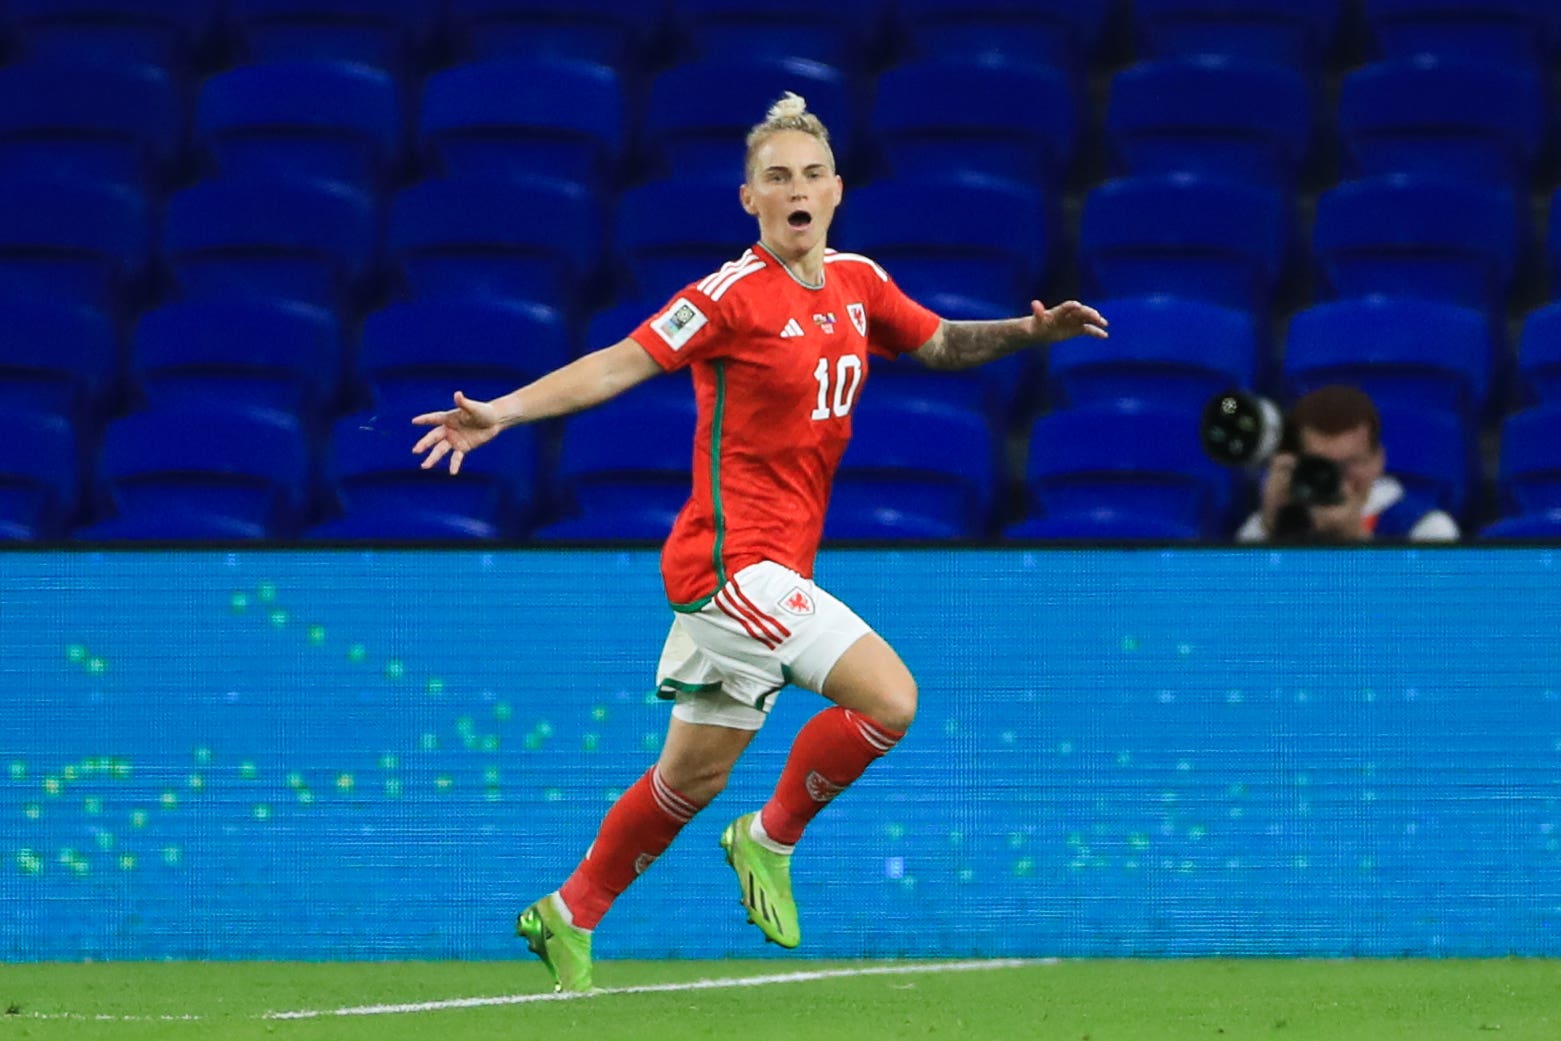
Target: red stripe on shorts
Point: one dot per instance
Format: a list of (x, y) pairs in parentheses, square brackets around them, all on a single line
[(759, 616), (746, 624)]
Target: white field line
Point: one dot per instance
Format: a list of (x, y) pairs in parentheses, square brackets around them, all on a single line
[(924, 968), (912, 969), (101, 1017)]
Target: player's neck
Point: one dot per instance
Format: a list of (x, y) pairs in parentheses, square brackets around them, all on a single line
[(807, 268)]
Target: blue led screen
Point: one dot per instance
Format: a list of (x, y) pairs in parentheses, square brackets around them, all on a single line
[(351, 754)]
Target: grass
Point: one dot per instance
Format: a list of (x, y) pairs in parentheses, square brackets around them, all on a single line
[(1500, 1000)]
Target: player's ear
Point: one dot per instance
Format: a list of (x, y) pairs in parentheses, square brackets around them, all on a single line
[(745, 196)]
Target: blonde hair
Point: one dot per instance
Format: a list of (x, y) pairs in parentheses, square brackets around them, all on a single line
[(790, 112)]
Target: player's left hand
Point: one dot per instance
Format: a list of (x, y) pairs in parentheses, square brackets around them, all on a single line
[(1066, 321)]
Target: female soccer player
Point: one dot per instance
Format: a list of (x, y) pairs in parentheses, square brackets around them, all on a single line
[(778, 341)]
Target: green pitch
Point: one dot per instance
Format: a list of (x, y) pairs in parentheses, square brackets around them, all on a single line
[(852, 1001)]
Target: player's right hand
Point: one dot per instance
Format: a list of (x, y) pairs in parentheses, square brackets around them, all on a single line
[(470, 424)]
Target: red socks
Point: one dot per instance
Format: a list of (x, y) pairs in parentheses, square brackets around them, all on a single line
[(830, 752), (640, 825)]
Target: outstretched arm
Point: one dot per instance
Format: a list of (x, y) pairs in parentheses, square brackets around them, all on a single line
[(586, 381), (962, 345)]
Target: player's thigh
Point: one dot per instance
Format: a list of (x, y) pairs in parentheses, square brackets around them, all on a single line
[(871, 679)]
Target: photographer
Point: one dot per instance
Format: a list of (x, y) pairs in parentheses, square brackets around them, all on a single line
[(1340, 424)]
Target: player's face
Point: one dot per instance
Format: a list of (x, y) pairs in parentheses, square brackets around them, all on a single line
[(793, 189), (1358, 461)]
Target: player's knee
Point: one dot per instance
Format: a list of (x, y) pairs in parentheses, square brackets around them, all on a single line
[(896, 708)]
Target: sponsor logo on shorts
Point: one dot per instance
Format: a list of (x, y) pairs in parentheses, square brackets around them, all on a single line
[(797, 602)]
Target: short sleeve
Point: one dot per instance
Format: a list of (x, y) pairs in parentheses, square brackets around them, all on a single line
[(899, 324), (683, 331)]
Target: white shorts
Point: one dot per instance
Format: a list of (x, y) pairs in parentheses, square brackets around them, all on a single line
[(767, 627)]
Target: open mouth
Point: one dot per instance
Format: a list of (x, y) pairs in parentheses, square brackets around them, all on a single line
[(799, 218)]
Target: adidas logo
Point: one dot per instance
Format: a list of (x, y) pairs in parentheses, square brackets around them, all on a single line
[(760, 905), (791, 329)]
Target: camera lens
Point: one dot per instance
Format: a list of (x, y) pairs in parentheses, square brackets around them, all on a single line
[(1317, 481), (1238, 429)]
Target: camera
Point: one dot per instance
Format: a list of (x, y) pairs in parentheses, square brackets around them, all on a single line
[(1243, 429)]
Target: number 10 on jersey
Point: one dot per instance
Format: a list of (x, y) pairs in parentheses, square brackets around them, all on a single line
[(848, 376)]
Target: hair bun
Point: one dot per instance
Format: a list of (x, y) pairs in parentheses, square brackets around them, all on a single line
[(789, 106)]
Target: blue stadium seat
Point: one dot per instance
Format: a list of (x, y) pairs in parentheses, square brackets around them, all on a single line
[(1553, 243), (1132, 459), (1406, 235), (700, 111), (1503, 31), (171, 522), (1539, 527), (251, 352), (1529, 463), (980, 237), (1431, 453), (40, 476), (1539, 355), (617, 33), (88, 242), (925, 456), (99, 122), (316, 119), (58, 358), (609, 325), (937, 116), (1168, 351), (170, 34), (882, 507), (312, 241), (391, 34), (1061, 34), (559, 118), (1295, 33), (1444, 117), (168, 470), (1211, 114), (1205, 238), (1102, 524), (631, 454), (370, 469), (671, 233), (459, 343), (847, 36), (408, 525), (635, 513), (524, 240), (1417, 354)]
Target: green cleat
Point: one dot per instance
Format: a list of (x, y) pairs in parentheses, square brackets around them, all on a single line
[(565, 950), (765, 878)]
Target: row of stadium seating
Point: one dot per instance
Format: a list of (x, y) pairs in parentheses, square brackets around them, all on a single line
[(408, 34), (296, 357), (576, 121), (958, 234), (302, 405), (1116, 468)]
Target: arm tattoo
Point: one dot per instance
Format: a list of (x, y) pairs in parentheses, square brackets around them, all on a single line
[(962, 345)]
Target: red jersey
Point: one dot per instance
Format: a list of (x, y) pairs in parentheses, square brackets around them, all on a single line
[(778, 366)]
